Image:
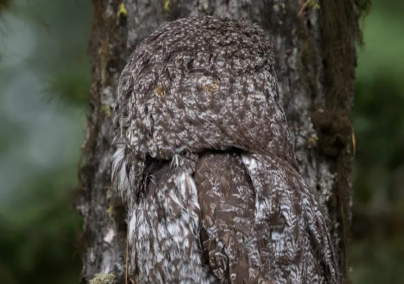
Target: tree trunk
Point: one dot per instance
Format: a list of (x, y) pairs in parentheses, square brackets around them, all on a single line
[(315, 63)]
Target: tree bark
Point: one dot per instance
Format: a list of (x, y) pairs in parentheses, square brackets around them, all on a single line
[(315, 64)]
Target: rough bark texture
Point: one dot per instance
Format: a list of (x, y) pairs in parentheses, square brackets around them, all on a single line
[(315, 59)]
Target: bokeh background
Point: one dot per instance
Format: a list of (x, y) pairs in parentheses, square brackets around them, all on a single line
[(44, 83)]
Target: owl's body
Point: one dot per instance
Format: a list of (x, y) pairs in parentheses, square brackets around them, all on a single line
[(206, 166)]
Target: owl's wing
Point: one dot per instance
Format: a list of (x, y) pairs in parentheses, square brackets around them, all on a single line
[(260, 223), (226, 196), (299, 246)]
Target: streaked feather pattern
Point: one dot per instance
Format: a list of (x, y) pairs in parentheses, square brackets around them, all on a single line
[(206, 166)]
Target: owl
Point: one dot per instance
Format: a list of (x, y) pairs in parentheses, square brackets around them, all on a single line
[(206, 166)]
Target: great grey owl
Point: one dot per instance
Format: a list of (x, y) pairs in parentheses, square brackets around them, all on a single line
[(206, 166)]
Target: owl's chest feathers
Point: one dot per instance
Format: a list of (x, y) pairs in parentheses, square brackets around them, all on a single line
[(164, 232)]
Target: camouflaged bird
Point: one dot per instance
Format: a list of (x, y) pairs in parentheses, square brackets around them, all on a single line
[(206, 166)]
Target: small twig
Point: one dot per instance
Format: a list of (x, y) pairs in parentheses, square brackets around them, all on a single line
[(126, 257), (353, 142), (287, 51)]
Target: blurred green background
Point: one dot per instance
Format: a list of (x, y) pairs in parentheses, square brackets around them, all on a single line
[(44, 83)]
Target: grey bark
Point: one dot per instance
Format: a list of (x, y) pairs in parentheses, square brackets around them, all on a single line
[(315, 59)]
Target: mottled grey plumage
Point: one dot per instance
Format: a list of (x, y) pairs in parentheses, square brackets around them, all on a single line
[(206, 166)]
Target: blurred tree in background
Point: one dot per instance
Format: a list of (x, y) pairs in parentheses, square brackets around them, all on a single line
[(44, 86), (377, 250), (44, 83)]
